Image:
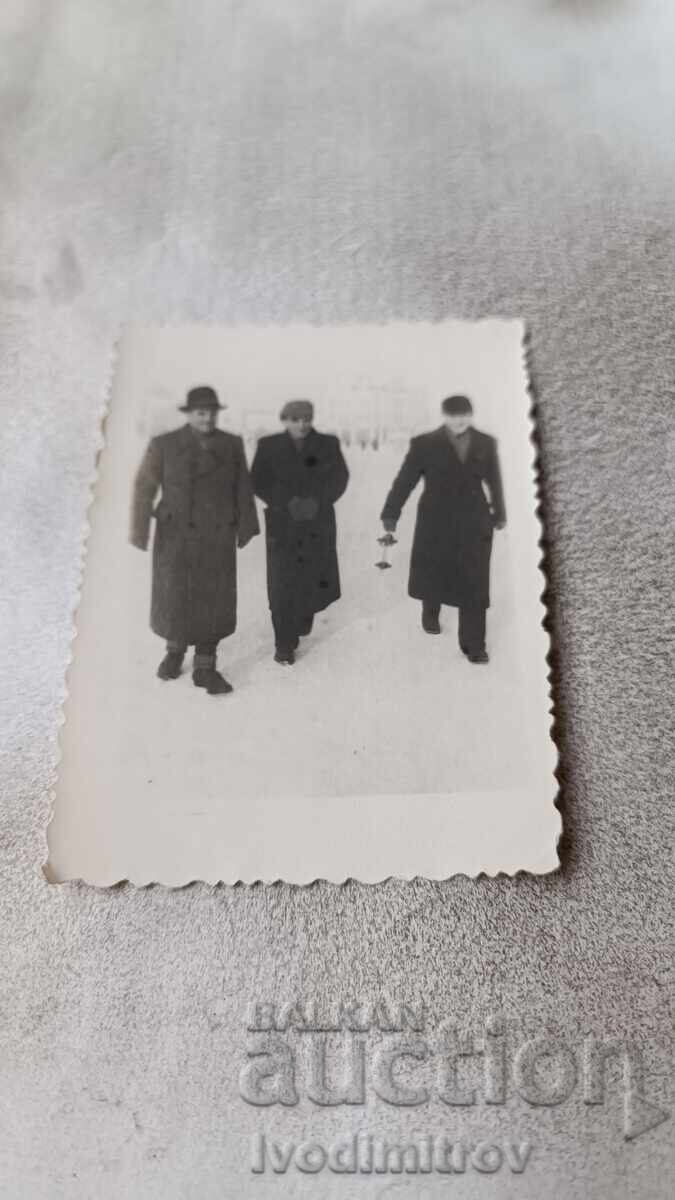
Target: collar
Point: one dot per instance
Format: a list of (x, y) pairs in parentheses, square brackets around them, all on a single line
[(301, 443), (189, 438)]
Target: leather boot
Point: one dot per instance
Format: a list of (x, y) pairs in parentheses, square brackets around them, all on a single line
[(171, 665), (212, 680)]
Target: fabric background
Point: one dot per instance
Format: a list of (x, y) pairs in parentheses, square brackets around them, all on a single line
[(326, 161)]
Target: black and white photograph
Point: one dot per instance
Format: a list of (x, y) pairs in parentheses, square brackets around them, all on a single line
[(337, 483), (310, 641)]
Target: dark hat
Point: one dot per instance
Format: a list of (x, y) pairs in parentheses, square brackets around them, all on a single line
[(294, 409), (456, 406), (201, 397)]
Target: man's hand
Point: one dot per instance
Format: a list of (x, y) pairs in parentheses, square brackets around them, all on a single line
[(500, 524), (303, 508), (389, 525), (138, 544)]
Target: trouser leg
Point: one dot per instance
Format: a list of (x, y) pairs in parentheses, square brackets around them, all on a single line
[(278, 624), (306, 623), (288, 607), (471, 630), (430, 610), (286, 626), (205, 656), (430, 614)]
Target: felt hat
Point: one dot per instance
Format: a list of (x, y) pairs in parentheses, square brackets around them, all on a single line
[(293, 410), (201, 397), (456, 406)]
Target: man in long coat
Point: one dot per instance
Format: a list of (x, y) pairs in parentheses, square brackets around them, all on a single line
[(450, 560), (206, 510), (299, 474)]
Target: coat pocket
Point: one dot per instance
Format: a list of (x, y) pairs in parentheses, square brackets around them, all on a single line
[(162, 512)]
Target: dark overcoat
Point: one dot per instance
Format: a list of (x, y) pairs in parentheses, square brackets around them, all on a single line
[(450, 560), (301, 555), (206, 509)]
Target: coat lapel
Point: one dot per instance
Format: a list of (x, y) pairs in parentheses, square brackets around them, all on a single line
[(446, 448), (472, 456), (184, 439), (201, 462), (450, 448), (217, 454), (294, 456), (310, 445), (183, 443)]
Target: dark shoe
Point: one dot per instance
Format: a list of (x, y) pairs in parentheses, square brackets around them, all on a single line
[(307, 626), (430, 624), (212, 680), (284, 655), (481, 657), (171, 665), (430, 618)]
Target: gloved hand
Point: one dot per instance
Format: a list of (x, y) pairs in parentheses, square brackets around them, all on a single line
[(389, 525), (500, 524), (303, 508)]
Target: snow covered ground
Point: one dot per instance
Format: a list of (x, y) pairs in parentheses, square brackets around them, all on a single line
[(373, 704)]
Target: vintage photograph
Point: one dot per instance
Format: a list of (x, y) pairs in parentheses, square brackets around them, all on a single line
[(310, 642)]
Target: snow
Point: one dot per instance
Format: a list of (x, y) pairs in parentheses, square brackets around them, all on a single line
[(396, 754), (373, 704)]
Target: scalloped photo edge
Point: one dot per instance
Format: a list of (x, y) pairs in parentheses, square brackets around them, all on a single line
[(323, 561)]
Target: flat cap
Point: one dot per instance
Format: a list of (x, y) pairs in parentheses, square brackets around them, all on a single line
[(293, 410), (456, 406)]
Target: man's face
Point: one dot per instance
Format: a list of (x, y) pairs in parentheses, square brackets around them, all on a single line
[(298, 427), (203, 420), (458, 422)]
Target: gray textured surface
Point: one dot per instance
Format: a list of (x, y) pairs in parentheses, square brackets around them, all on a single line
[(334, 161)]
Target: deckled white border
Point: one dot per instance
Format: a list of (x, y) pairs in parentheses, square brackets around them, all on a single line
[(85, 532), (408, 833)]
